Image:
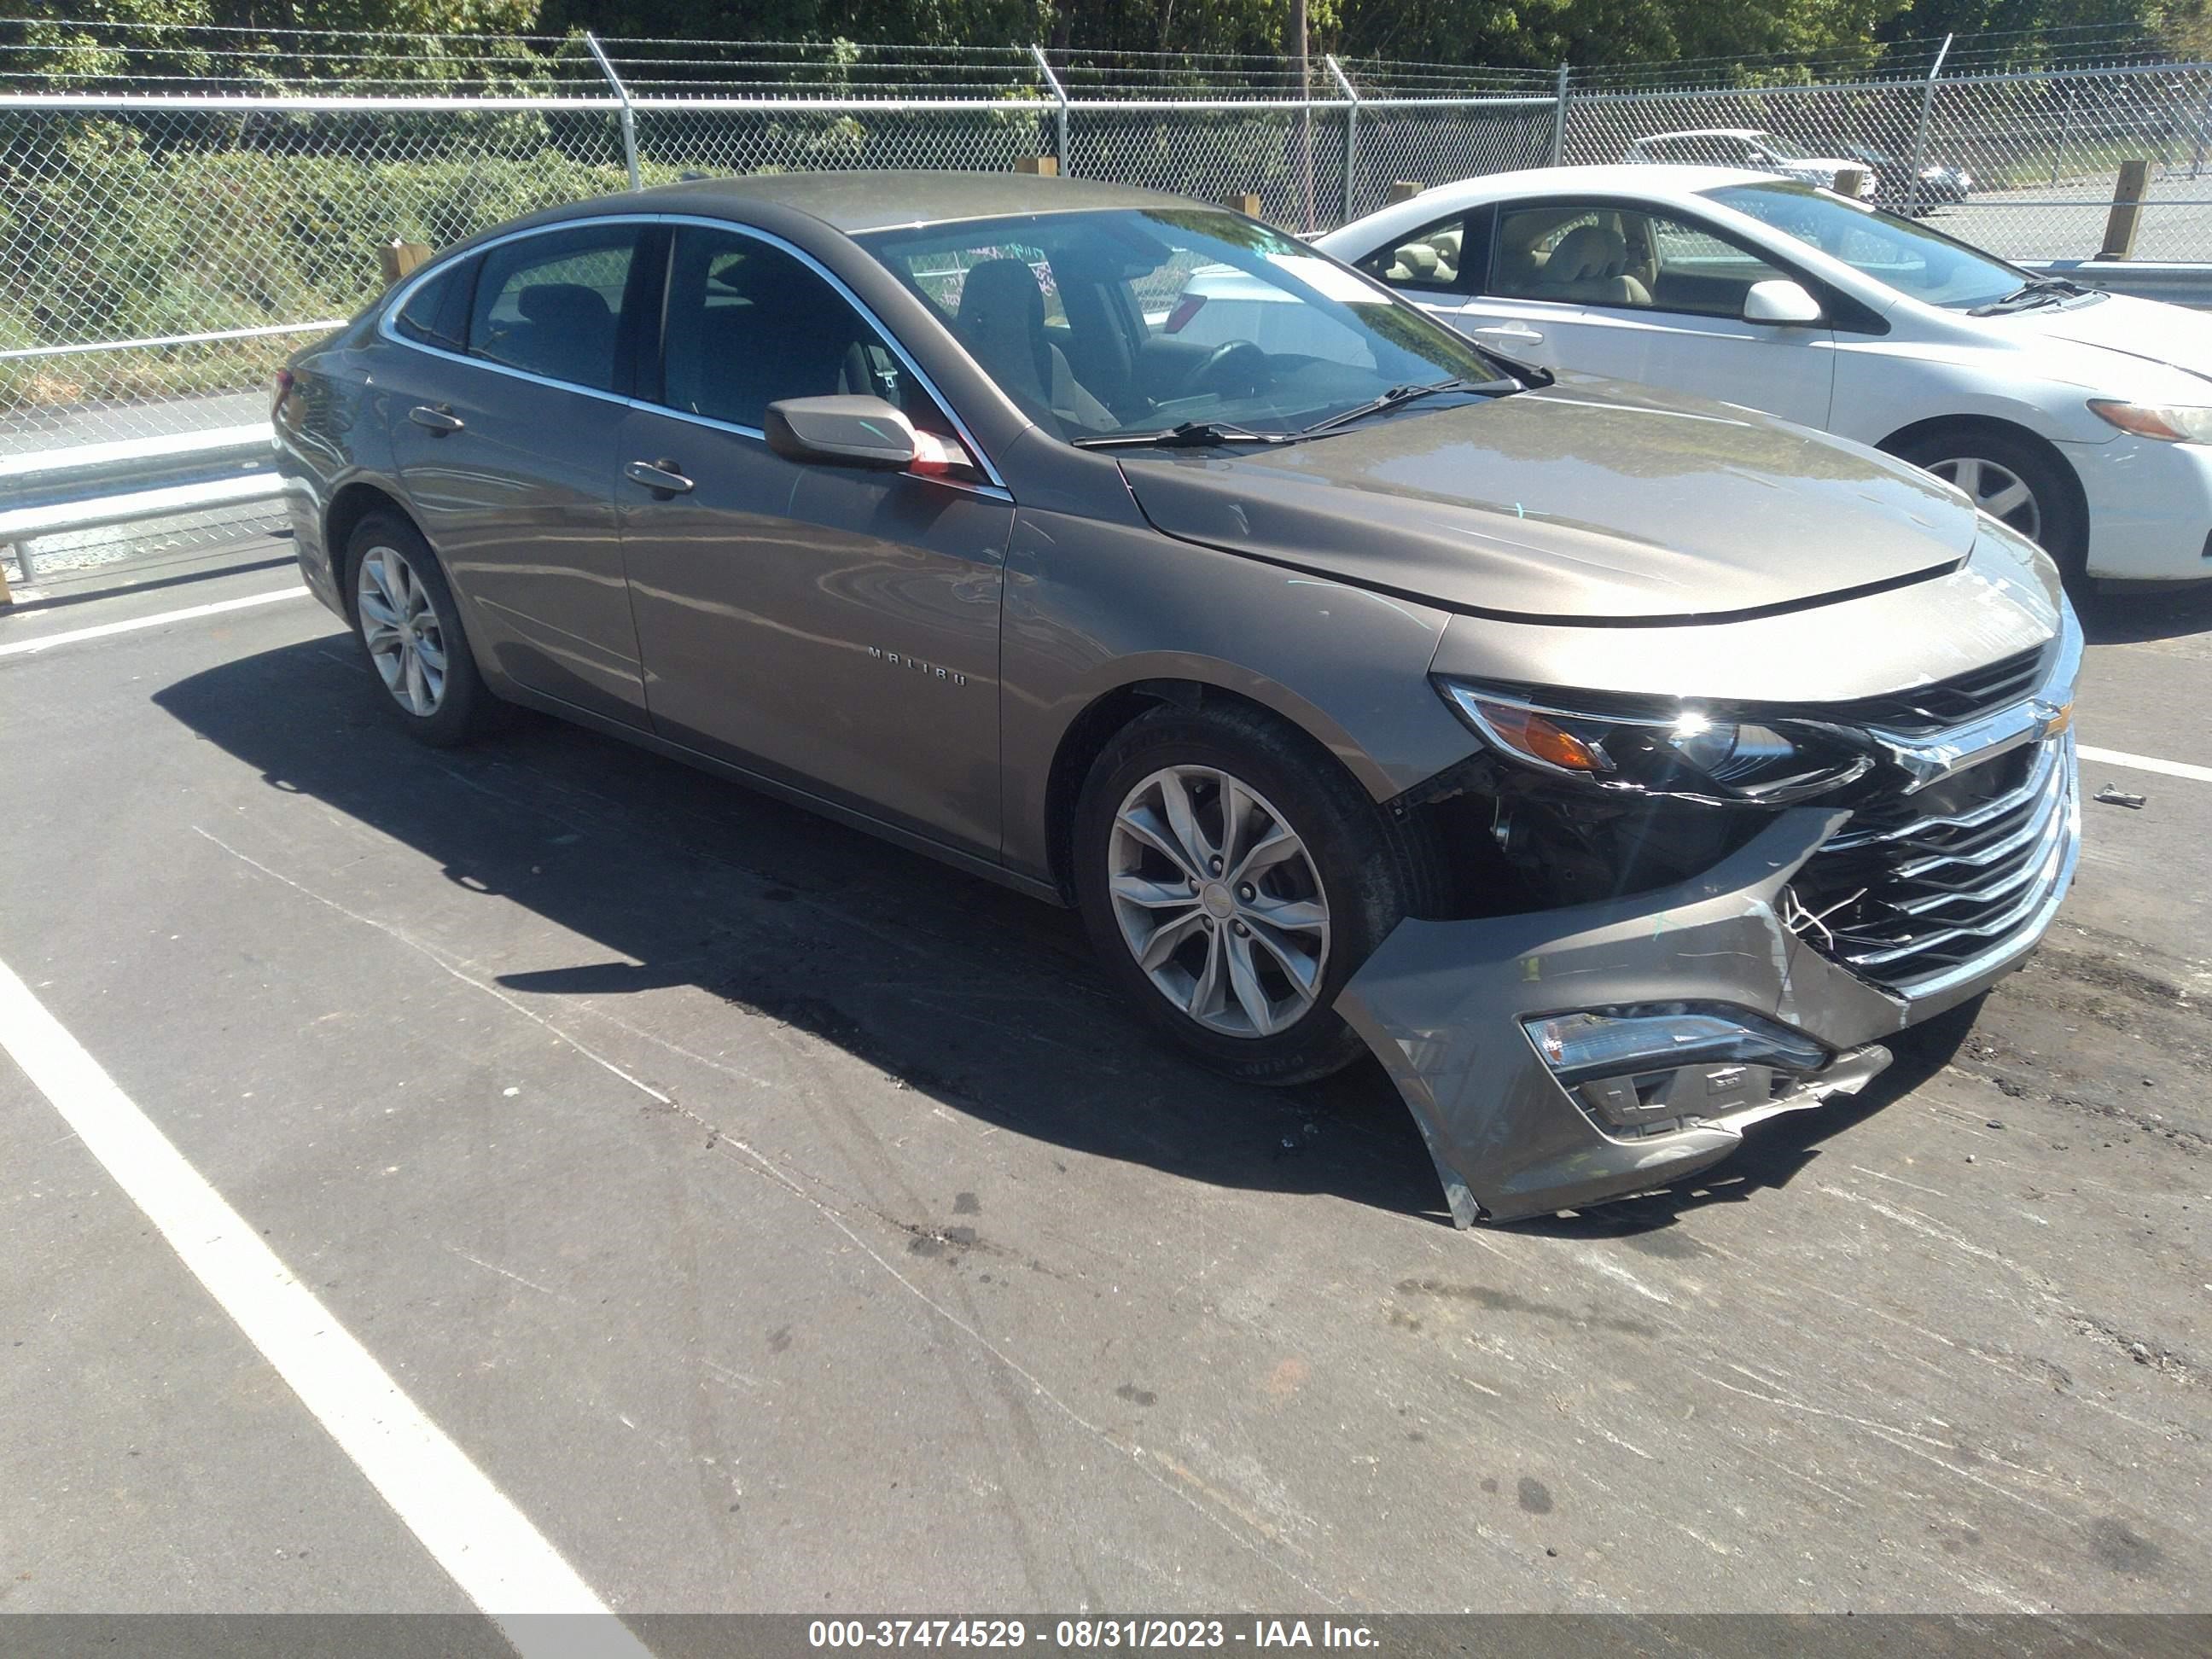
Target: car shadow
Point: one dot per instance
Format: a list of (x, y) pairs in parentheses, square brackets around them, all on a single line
[(982, 1000), (2121, 618), (987, 1001)]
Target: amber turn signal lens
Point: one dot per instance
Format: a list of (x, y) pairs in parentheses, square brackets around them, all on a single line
[(1542, 739)]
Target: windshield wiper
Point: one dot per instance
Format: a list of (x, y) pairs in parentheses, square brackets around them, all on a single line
[(1398, 396), (2039, 291), (1191, 434)]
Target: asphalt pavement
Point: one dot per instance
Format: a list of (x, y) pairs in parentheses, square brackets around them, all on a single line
[(773, 1220)]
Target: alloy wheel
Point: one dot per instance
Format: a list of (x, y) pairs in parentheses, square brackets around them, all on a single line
[(1997, 489), (400, 624), (1218, 900)]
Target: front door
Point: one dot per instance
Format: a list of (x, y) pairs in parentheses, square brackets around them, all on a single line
[(1440, 266), (1643, 295), (835, 627), (505, 411)]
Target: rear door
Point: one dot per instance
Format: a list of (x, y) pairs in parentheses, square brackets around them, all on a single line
[(1645, 295), (832, 628), (506, 404)]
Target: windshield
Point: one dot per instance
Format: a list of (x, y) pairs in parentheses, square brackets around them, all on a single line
[(1132, 321), (1909, 257), (1780, 148)]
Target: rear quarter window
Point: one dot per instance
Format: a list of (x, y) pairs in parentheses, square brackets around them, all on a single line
[(437, 313)]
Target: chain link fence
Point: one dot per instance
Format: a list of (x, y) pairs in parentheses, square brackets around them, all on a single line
[(178, 210), (2027, 165)]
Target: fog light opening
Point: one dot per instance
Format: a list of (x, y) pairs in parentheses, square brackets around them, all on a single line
[(1655, 1069), (1614, 1042)]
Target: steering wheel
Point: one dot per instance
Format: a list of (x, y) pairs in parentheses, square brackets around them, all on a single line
[(1226, 359)]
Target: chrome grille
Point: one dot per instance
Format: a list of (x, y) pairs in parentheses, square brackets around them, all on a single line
[(1955, 702), (1930, 888)]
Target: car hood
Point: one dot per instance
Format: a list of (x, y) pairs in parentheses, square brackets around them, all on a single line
[(2170, 335), (1584, 501)]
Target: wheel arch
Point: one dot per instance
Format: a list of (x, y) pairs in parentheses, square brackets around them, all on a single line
[(1085, 737), (2061, 469), (351, 503)]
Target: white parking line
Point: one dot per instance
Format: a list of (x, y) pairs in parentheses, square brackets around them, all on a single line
[(2146, 763), (48, 641), (500, 1561)]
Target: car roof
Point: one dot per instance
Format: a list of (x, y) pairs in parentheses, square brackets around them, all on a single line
[(860, 202), (1666, 185), (1665, 182)]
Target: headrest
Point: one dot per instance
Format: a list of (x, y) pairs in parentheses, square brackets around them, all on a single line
[(1446, 243), (1418, 259), (1589, 253), (1001, 295)]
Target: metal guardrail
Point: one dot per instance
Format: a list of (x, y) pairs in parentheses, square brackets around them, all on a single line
[(2176, 284), (94, 486)]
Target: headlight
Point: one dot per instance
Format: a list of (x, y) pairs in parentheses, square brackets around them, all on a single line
[(1684, 752), (2179, 423)]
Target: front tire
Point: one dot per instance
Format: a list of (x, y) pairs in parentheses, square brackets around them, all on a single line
[(2011, 479), (408, 629), (1232, 877)]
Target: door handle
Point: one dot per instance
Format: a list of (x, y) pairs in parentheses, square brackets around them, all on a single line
[(660, 477), (1509, 331), (441, 420)]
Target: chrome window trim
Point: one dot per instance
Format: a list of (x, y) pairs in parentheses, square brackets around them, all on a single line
[(387, 330)]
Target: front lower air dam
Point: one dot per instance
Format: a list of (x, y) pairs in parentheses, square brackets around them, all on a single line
[(1564, 1057)]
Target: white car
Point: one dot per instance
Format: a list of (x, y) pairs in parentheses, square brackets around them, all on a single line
[(2081, 418), (1749, 146)]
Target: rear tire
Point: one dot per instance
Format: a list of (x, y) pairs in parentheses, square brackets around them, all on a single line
[(2012, 478), (1232, 877), (408, 629)]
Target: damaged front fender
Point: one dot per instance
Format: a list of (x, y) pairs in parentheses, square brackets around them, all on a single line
[(1442, 1005)]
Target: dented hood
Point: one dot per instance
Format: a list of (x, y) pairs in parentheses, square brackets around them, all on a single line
[(1586, 501)]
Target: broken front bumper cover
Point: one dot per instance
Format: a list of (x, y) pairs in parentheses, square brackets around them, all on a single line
[(1449, 1007)]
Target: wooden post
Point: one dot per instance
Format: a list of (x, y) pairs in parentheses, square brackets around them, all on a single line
[(1246, 205), (2127, 210), (1848, 180), (1404, 190), (398, 258), (1045, 167)]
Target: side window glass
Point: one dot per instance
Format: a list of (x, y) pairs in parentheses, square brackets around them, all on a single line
[(551, 303), (1686, 268), (1433, 257), (1572, 255), (750, 325), (436, 313)]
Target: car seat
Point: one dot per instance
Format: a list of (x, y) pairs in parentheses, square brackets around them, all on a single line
[(1590, 263), (1001, 322), (568, 334)]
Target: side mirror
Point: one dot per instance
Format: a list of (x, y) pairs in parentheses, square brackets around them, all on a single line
[(842, 432), (1776, 301)]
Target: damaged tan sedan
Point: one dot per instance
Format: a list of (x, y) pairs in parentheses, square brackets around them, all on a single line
[(1621, 772)]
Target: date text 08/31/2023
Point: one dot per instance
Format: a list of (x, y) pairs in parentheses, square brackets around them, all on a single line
[(1086, 1634)]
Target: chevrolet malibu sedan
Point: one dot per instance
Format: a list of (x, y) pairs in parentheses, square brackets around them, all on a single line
[(2081, 419), (1618, 771)]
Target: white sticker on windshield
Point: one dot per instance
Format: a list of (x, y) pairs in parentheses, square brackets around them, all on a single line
[(1327, 280)]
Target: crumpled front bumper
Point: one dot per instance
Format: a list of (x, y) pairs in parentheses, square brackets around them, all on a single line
[(1441, 1003)]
